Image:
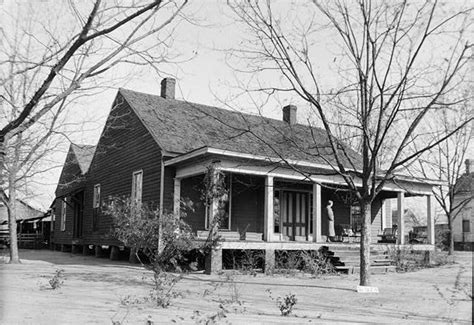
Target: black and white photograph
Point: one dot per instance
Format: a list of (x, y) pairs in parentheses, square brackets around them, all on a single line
[(236, 162)]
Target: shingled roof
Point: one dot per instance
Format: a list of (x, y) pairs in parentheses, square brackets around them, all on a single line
[(180, 127), (84, 154)]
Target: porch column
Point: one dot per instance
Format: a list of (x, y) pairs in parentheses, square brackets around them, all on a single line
[(384, 215), (177, 196), (430, 219), (400, 212), (317, 233), (268, 221)]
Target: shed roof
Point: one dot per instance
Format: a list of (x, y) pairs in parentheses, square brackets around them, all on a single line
[(180, 127)]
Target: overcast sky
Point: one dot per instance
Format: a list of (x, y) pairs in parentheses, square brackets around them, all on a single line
[(203, 73)]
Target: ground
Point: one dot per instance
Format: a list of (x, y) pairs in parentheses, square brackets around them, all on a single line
[(99, 291)]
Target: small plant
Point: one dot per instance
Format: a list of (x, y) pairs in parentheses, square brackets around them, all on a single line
[(211, 319), (164, 289), (285, 304), (233, 289), (57, 280)]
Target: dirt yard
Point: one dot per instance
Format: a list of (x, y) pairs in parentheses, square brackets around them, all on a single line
[(98, 291)]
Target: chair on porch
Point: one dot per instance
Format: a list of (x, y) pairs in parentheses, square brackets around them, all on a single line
[(389, 235), (343, 231)]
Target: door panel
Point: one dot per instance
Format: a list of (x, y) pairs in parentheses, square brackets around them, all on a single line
[(294, 214)]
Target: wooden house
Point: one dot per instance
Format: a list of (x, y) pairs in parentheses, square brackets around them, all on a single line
[(463, 223), (158, 149)]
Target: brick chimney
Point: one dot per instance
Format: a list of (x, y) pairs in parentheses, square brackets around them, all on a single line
[(168, 88), (289, 114), (469, 166)]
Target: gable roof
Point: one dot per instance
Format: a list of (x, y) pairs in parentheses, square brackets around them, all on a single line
[(24, 212), (464, 184), (180, 127), (84, 155)]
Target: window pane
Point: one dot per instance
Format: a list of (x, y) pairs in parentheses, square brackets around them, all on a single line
[(466, 226)]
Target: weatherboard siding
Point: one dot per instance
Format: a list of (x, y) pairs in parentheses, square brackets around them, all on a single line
[(63, 236), (70, 181), (124, 147)]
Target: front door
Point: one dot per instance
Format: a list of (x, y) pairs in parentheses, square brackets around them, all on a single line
[(294, 214), (78, 205)]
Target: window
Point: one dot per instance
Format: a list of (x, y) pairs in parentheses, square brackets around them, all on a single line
[(96, 207), (356, 218), (276, 212), (96, 199), (137, 187), (63, 214), (466, 226)]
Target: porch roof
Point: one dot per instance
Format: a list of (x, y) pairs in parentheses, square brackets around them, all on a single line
[(196, 161)]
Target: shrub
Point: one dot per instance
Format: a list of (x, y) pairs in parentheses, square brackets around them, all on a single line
[(406, 260), (57, 280), (165, 240), (313, 262), (284, 304), (247, 261), (139, 227)]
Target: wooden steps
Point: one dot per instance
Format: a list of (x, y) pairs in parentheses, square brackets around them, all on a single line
[(347, 260)]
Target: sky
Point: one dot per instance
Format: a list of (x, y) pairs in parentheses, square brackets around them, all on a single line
[(203, 73)]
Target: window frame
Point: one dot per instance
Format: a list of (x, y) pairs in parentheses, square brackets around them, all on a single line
[(96, 207), (466, 226), (63, 214), (137, 199), (96, 197)]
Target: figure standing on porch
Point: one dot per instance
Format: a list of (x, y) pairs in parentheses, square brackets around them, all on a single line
[(331, 232)]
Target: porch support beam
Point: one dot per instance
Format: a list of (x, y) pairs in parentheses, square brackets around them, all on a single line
[(317, 233), (269, 220), (384, 215), (430, 219), (177, 196), (400, 213)]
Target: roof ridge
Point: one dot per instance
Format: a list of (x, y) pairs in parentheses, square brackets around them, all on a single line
[(219, 108)]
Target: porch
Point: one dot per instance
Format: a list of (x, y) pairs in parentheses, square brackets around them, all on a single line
[(272, 207), (283, 206)]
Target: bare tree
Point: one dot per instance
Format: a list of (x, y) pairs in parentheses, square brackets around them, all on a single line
[(446, 161), (390, 80), (56, 57)]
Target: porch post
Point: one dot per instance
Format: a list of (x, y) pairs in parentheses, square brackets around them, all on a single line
[(384, 214), (430, 219), (400, 213), (317, 233), (177, 196), (268, 221)]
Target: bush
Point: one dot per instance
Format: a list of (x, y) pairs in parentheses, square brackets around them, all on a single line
[(406, 260), (247, 261), (284, 304), (313, 262), (139, 228), (57, 280), (165, 240)]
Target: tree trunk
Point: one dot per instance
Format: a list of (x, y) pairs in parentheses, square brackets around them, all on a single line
[(365, 210), (14, 257), (451, 236)]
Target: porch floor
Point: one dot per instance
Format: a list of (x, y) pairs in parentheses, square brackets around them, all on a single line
[(296, 245)]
